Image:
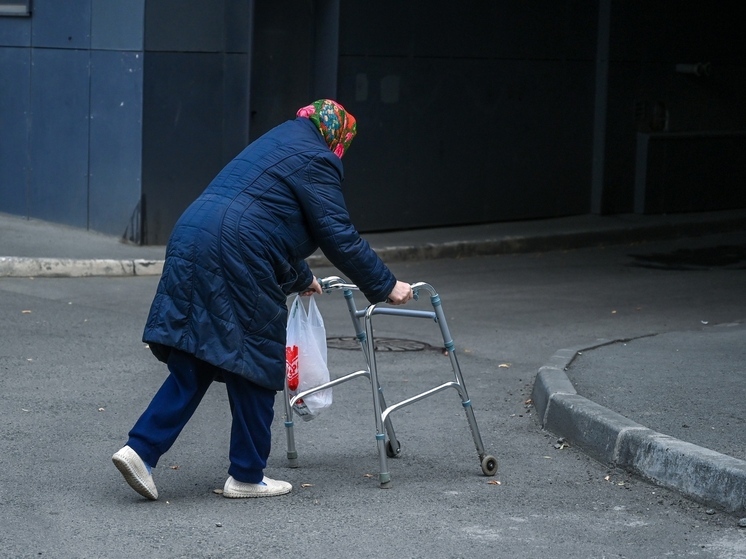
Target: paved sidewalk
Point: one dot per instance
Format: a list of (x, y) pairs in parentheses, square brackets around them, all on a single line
[(35, 248)]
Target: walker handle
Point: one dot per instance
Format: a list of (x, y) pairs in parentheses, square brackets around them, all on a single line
[(330, 283)]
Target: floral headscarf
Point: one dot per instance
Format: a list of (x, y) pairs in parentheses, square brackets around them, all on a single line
[(337, 126)]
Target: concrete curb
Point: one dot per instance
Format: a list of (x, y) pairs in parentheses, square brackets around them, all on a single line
[(701, 474), (11, 266), (617, 233)]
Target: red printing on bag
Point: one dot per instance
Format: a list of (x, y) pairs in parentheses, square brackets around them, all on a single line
[(291, 366)]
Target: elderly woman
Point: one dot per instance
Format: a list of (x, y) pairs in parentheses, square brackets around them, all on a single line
[(220, 311)]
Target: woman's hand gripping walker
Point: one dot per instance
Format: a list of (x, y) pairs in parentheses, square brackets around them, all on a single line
[(400, 295)]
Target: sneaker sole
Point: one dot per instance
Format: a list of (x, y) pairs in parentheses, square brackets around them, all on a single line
[(275, 493), (132, 479), (257, 495)]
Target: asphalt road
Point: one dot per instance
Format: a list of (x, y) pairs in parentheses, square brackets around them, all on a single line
[(75, 376)]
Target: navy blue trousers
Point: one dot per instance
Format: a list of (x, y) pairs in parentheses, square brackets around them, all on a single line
[(252, 409)]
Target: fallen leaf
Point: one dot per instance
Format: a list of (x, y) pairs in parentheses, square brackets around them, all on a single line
[(494, 482), (607, 478), (217, 491), (101, 409), (528, 402), (26, 312), (304, 485), (504, 365), (174, 467), (367, 475)]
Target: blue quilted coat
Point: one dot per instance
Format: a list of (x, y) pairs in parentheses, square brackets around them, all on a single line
[(238, 251)]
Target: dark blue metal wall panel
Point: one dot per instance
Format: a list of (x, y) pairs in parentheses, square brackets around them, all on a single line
[(117, 24), (282, 62), (198, 26), (465, 141), (185, 25), (115, 140), (237, 26), (481, 29), (59, 136), (15, 68), (472, 115), (195, 111), (58, 24), (235, 105), (15, 31), (182, 133)]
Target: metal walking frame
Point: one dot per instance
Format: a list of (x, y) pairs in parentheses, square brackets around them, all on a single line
[(386, 441)]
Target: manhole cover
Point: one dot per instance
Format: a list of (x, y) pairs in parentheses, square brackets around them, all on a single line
[(382, 344)]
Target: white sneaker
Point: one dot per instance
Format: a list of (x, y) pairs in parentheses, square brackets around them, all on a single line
[(267, 488), (135, 472)]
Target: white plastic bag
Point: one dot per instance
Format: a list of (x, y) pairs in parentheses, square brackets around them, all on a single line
[(305, 358)]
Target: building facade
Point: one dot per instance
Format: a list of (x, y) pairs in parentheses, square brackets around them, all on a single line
[(115, 114)]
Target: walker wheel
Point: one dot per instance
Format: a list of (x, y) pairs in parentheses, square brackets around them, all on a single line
[(489, 465), (390, 451)]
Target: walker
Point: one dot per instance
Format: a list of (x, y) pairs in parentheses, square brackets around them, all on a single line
[(387, 444)]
